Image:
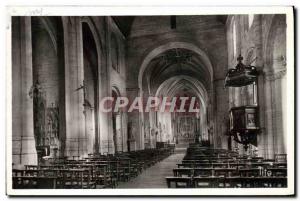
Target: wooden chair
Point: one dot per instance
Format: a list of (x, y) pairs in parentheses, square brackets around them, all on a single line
[(280, 158), (183, 172), (206, 182), (179, 182), (201, 172)]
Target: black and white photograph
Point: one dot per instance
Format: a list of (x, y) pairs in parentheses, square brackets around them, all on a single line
[(113, 102)]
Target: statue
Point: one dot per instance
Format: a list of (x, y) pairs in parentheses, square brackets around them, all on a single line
[(39, 112), (35, 90)]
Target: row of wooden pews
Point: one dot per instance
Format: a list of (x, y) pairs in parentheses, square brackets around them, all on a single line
[(204, 167), (94, 171)]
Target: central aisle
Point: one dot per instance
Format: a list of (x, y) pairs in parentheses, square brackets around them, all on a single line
[(154, 177)]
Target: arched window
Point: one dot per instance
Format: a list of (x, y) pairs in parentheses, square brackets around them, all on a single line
[(115, 53), (250, 20)]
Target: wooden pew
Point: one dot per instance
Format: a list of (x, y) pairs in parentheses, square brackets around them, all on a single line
[(207, 182), (33, 178), (179, 182), (206, 168)]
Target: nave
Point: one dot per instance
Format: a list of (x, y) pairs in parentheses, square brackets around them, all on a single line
[(154, 177), (107, 102)]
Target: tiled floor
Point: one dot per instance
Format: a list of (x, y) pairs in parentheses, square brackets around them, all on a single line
[(154, 177)]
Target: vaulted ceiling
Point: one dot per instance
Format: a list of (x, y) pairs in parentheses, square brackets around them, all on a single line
[(175, 62), (125, 23)]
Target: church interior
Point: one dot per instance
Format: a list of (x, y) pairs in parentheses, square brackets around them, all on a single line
[(64, 66)]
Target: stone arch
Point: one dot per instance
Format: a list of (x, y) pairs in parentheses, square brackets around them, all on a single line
[(115, 57), (278, 22), (116, 90), (170, 45), (91, 86), (170, 86), (159, 49), (94, 31), (98, 44), (48, 82), (49, 27), (171, 82), (118, 137), (100, 68)]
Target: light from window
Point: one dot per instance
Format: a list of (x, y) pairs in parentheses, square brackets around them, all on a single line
[(234, 38), (115, 53), (250, 20)]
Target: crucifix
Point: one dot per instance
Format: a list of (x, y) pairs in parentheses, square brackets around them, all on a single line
[(83, 87)]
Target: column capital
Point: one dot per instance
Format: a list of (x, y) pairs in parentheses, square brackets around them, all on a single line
[(272, 76)]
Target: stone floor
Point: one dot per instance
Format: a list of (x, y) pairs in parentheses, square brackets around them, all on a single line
[(154, 177)]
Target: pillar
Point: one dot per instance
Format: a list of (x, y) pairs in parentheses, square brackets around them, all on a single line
[(135, 120), (269, 139), (75, 138), (280, 103), (23, 141), (262, 144), (221, 114)]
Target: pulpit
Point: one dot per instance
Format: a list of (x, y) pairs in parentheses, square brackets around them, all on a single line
[(243, 120), (244, 124)]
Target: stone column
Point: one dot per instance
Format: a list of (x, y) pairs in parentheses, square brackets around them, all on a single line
[(151, 119), (134, 120), (269, 109), (124, 131), (274, 105), (105, 118), (89, 129), (141, 133), (221, 114), (280, 104), (261, 100), (210, 118), (75, 139), (284, 112), (106, 135), (23, 141)]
